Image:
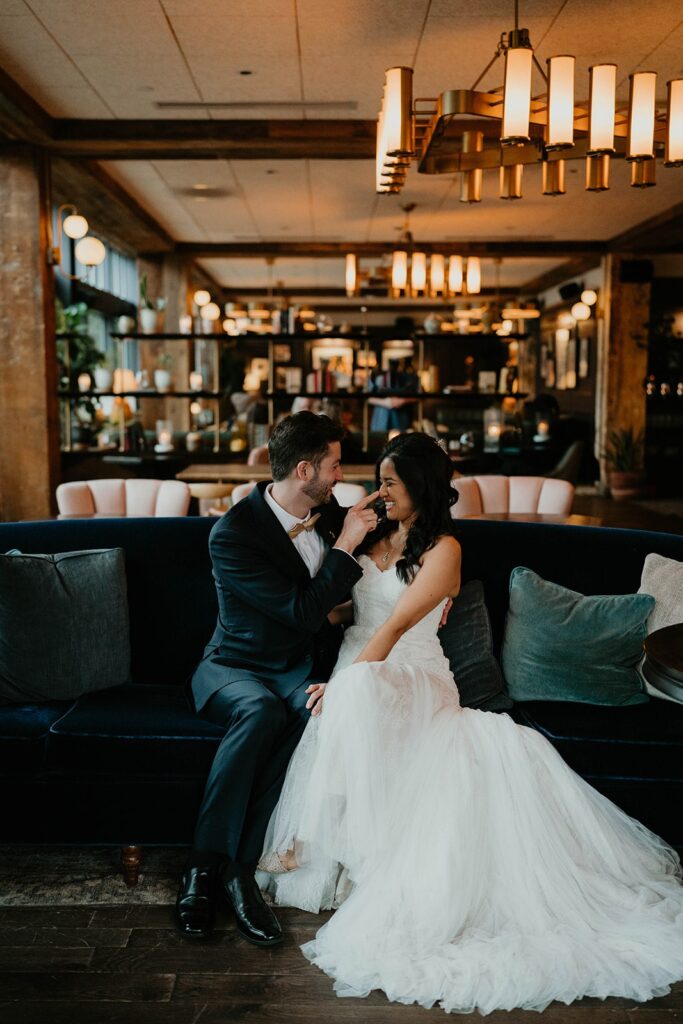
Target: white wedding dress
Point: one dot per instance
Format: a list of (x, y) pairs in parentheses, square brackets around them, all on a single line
[(472, 868)]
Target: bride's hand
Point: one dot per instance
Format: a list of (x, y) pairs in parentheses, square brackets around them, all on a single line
[(315, 701)]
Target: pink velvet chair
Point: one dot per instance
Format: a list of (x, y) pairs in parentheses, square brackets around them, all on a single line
[(478, 495), (118, 497)]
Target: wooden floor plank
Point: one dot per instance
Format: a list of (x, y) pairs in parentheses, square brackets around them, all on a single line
[(133, 917), (46, 917), (202, 958), (86, 987), (104, 1013), (44, 958)]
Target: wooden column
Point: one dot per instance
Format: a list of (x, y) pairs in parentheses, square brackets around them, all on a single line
[(622, 357), (29, 416), (167, 277)]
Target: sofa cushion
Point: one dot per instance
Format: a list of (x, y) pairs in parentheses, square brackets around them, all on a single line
[(468, 645), (561, 645), (133, 730), (63, 624), (636, 743), (23, 734)]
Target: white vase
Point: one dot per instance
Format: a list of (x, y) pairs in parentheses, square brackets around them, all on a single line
[(148, 320), (162, 380), (125, 324), (103, 378)]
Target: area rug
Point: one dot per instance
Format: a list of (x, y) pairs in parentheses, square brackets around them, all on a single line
[(71, 876)]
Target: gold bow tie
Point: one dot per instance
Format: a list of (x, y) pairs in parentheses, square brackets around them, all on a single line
[(300, 527)]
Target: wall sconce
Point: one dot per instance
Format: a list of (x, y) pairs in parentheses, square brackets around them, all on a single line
[(89, 251), (201, 298)]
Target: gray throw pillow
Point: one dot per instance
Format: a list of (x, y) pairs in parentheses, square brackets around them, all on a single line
[(467, 643), (63, 625), (561, 645)]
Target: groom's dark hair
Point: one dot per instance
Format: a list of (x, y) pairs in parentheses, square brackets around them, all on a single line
[(303, 437)]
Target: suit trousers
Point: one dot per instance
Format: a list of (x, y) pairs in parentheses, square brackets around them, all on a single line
[(262, 730)]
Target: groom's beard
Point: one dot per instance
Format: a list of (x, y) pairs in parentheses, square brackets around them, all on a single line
[(319, 492)]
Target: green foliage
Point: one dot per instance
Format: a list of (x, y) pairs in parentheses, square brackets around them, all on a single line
[(165, 361), (625, 450), (76, 352), (145, 300)]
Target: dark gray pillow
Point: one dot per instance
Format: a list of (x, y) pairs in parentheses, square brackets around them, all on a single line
[(63, 625), (467, 643)]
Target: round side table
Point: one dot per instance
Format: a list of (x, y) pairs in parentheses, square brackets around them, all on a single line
[(663, 664)]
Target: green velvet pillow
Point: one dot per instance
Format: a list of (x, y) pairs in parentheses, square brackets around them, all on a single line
[(560, 645), (63, 625)]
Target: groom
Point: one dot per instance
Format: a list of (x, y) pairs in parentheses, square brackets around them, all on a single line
[(279, 570)]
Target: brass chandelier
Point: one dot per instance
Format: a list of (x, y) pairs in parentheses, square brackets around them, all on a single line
[(533, 129)]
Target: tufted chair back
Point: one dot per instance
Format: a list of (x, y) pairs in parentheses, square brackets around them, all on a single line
[(516, 494), (119, 497)]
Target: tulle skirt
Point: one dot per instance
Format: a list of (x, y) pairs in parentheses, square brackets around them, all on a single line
[(471, 867)]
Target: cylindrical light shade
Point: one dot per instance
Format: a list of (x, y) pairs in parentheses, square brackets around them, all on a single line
[(597, 172), (581, 311), (472, 178), (211, 311), (643, 173), (641, 115), (473, 275), (673, 153), (437, 274), (75, 226), (603, 90), (560, 133), (418, 272), (553, 178), (90, 251), (455, 275), (516, 96), (398, 102), (201, 297), (399, 271), (351, 273), (511, 181)]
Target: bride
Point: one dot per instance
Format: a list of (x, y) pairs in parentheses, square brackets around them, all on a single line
[(470, 866)]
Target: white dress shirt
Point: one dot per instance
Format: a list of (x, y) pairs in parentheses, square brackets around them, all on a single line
[(309, 543)]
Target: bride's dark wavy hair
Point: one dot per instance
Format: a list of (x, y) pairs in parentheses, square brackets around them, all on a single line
[(426, 471)]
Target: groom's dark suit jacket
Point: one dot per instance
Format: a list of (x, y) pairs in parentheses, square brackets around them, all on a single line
[(272, 616)]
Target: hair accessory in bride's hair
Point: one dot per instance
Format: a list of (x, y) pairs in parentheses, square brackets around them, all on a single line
[(442, 444)]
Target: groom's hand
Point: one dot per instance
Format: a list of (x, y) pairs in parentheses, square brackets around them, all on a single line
[(315, 701), (359, 521)]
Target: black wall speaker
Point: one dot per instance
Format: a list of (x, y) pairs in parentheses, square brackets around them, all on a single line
[(636, 271), (570, 291)]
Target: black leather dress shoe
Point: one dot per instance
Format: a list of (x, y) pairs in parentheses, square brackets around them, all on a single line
[(256, 922), (195, 910)]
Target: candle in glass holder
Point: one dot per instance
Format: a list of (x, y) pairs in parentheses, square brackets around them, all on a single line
[(164, 436), (84, 382), (196, 381)]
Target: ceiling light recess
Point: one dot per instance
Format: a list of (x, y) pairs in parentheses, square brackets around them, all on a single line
[(436, 133)]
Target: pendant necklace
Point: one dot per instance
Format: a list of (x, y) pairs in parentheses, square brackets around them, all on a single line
[(387, 555)]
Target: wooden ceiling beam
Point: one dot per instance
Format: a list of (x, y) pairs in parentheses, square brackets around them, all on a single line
[(165, 139), (557, 275), (517, 247)]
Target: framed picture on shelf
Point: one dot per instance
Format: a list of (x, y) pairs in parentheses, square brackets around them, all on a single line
[(282, 353), (288, 378)]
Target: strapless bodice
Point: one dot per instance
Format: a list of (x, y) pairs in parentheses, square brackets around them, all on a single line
[(374, 598)]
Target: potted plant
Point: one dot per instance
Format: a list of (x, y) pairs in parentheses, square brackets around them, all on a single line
[(624, 453), (104, 376), (78, 355), (151, 310), (163, 381)]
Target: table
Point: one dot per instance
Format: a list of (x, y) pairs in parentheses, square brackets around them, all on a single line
[(663, 665), (239, 473), (535, 517)]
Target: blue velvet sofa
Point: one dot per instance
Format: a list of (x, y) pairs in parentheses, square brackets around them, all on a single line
[(127, 765)]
